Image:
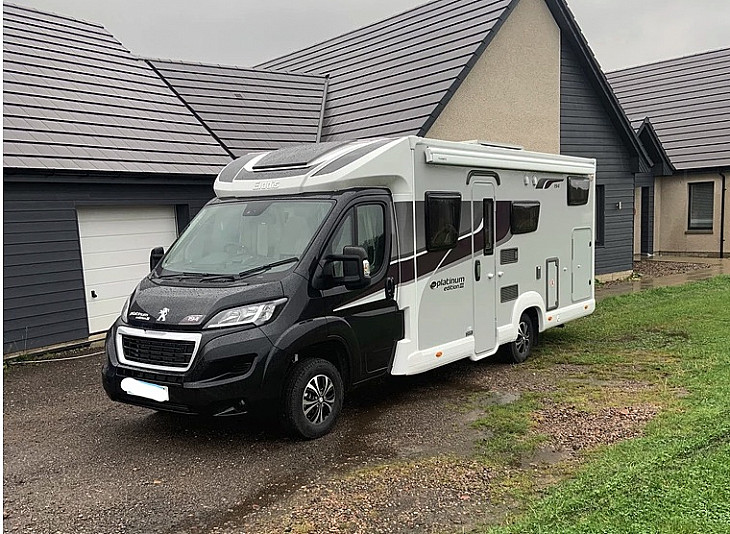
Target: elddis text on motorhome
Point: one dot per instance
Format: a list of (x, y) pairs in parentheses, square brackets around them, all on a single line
[(317, 268)]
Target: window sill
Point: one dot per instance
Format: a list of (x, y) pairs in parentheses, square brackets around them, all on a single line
[(706, 232)]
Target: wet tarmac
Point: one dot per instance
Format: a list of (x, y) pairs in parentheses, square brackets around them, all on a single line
[(75, 462)]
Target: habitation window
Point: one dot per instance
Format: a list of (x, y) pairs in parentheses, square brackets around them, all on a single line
[(525, 216), (600, 214), (701, 198), (578, 191), (443, 213)]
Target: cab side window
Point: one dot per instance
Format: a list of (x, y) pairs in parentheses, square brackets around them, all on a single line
[(363, 226)]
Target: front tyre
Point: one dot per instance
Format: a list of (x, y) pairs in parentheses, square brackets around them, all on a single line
[(520, 348), (312, 398)]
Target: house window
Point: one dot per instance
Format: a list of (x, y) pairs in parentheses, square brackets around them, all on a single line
[(578, 191), (525, 216), (701, 198), (443, 214), (600, 229)]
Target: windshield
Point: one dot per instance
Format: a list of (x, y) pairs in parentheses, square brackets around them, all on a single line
[(235, 238)]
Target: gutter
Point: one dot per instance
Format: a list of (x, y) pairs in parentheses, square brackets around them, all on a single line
[(723, 191)]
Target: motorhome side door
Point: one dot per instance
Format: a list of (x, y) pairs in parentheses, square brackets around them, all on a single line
[(485, 283)]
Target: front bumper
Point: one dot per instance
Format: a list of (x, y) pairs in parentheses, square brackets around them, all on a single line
[(226, 373)]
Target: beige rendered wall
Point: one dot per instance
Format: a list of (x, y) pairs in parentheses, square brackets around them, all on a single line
[(512, 95), (671, 214)]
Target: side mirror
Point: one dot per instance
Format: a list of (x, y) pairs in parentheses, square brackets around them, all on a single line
[(354, 272), (156, 255)]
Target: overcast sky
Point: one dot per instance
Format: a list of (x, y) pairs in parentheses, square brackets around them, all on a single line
[(622, 33)]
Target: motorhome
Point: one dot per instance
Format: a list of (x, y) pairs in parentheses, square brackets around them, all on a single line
[(317, 268)]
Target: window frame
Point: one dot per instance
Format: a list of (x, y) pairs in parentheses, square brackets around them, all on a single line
[(350, 212), (570, 188), (441, 195), (696, 227), (600, 216)]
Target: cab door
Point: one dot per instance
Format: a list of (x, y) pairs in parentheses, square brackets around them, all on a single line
[(485, 284), (372, 312)]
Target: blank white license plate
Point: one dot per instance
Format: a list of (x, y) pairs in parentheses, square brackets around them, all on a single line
[(145, 389)]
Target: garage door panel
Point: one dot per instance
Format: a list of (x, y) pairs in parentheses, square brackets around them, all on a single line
[(118, 228), (103, 260), (111, 306), (127, 242), (115, 250), (130, 213), (111, 275)]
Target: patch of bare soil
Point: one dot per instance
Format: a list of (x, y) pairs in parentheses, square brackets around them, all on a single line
[(654, 269), (569, 428), (427, 495)]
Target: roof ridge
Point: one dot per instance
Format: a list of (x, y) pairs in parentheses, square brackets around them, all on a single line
[(667, 60), (59, 15)]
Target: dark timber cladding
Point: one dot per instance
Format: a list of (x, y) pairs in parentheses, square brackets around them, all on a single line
[(85, 123), (586, 130), (687, 100), (393, 77), (43, 287), (248, 109)]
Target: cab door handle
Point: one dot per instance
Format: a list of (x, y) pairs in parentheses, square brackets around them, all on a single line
[(389, 287), (477, 270)]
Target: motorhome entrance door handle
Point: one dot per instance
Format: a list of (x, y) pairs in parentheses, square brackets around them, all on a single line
[(477, 270), (389, 287)]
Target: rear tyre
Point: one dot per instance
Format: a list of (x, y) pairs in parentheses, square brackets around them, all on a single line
[(521, 348), (312, 399)]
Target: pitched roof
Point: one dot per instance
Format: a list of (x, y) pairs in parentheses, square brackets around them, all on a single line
[(395, 76), (76, 99), (688, 102), (248, 109)]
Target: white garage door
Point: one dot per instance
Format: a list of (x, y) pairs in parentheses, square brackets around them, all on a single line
[(115, 250)]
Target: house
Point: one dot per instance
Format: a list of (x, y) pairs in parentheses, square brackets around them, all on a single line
[(512, 72), (101, 162), (681, 111), (107, 155)]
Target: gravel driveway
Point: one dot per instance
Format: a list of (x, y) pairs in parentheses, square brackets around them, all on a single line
[(74, 462)]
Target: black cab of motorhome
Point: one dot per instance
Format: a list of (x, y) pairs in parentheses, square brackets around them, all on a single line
[(254, 307)]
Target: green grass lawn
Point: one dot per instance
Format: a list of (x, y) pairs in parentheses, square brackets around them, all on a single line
[(674, 479)]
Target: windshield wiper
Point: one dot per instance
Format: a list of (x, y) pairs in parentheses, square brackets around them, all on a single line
[(267, 266), (178, 275)]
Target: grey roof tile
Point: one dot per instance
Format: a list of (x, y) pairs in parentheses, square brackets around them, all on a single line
[(687, 100), (248, 109), (393, 76), (76, 99)]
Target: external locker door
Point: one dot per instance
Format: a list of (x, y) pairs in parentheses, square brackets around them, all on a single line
[(582, 261)]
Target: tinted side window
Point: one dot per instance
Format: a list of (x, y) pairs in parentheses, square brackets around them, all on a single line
[(363, 226), (443, 214), (578, 191), (525, 217)]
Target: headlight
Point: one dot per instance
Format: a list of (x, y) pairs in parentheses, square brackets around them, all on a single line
[(125, 309), (257, 314)]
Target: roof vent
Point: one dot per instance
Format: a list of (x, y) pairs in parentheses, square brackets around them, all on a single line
[(495, 145), (296, 157)]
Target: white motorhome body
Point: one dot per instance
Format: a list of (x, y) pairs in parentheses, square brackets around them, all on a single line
[(519, 245)]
